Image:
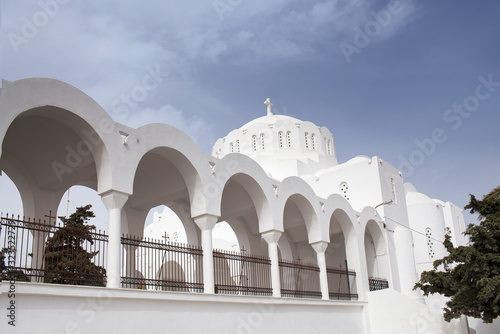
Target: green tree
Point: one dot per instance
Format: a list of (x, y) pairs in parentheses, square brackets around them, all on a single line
[(66, 260), (470, 275)]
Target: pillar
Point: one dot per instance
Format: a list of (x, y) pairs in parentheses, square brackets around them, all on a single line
[(114, 201), (206, 224), (320, 248), (403, 241), (272, 237)]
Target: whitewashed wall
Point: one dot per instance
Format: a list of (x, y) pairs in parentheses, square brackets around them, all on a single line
[(43, 308)]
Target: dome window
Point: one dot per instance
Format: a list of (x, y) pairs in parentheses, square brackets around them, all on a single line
[(254, 143), (262, 142), (313, 141), (231, 147), (238, 146), (280, 138), (307, 140), (289, 139)]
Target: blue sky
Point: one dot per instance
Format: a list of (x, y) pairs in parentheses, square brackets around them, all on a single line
[(217, 61)]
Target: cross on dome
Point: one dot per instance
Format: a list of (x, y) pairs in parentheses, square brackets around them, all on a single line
[(269, 105)]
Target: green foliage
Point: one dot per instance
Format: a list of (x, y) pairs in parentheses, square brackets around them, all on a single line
[(66, 260), (7, 274), (470, 275)]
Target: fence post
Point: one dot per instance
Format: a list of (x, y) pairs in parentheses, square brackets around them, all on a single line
[(114, 201), (320, 248), (272, 238), (206, 224)]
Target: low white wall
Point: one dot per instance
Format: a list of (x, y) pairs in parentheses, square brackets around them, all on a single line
[(481, 328), (391, 312), (56, 309)]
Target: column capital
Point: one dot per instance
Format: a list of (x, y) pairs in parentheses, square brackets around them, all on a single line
[(206, 221), (320, 246), (271, 236), (114, 199)]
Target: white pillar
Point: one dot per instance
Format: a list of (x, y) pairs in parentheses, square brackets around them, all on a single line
[(320, 248), (403, 240), (206, 224), (272, 238), (114, 201)]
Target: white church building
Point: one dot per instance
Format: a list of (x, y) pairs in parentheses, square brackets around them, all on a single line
[(328, 246)]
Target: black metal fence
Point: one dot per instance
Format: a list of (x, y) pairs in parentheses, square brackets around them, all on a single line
[(341, 284), (242, 274), (299, 280), (377, 283), (48, 252), (161, 265), (41, 251)]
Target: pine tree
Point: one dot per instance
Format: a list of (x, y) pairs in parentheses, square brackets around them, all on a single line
[(470, 275), (66, 260)]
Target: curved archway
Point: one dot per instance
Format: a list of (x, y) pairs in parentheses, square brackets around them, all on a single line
[(243, 206), (160, 178), (47, 150), (300, 278), (377, 258)]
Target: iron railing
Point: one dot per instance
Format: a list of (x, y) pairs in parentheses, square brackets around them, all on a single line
[(242, 274), (341, 284), (41, 251), (161, 265), (377, 283), (299, 280)]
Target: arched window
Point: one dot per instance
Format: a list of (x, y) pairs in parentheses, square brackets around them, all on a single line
[(430, 243), (238, 146), (393, 189), (307, 139), (280, 138), (289, 139), (313, 141), (344, 190), (262, 142), (254, 143), (328, 146), (231, 147)]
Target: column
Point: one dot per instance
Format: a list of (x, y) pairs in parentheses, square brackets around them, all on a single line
[(272, 238), (206, 224), (114, 201), (403, 241), (320, 248)]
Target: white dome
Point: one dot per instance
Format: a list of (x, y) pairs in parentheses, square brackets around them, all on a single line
[(271, 119), (282, 145)]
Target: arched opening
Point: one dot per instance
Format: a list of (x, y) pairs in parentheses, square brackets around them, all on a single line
[(159, 227), (299, 275), (45, 151), (243, 266), (341, 276), (377, 260)]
